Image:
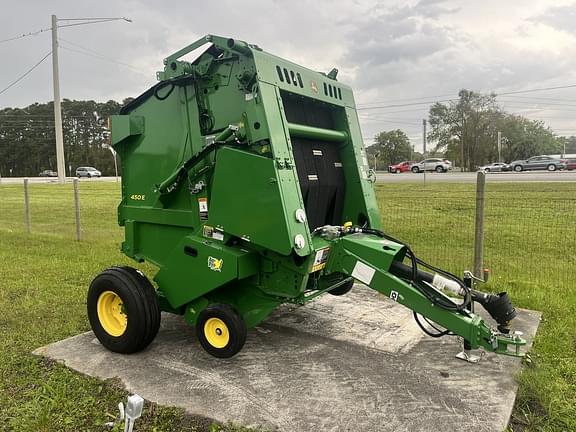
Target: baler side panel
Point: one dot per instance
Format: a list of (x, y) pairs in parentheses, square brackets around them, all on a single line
[(246, 201), (170, 135), (197, 266), (313, 83), (360, 204)]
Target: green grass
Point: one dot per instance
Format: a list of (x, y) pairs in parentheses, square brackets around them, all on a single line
[(43, 281), (530, 240), (530, 235)]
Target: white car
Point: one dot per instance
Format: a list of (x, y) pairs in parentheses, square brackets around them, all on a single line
[(87, 172), (432, 164)]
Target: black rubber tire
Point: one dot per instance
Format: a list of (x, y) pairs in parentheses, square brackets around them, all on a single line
[(141, 305), (487, 170), (342, 289), (236, 330), (551, 167), (518, 168), (439, 169), (415, 169)]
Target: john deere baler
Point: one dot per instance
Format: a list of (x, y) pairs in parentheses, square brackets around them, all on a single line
[(245, 182)]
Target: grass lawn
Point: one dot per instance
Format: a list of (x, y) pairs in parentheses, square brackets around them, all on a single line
[(530, 230)]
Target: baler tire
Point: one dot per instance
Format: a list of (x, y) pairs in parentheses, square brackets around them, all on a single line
[(229, 329), (342, 289), (137, 298)]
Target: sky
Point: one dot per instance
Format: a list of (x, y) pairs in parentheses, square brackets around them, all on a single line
[(399, 56)]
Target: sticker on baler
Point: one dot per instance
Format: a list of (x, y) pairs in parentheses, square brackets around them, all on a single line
[(203, 208), (362, 272), (320, 259), (212, 233), (313, 86), (215, 264), (203, 204), (394, 295)]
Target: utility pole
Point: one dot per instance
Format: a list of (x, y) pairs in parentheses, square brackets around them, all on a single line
[(60, 162), (424, 136), (424, 146), (499, 145)]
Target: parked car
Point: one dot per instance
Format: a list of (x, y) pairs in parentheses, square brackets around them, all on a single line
[(87, 172), (570, 164), (401, 167), (432, 164), (495, 167), (48, 173), (538, 163)]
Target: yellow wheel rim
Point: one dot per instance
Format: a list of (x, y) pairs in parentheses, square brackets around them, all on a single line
[(216, 332), (111, 313)]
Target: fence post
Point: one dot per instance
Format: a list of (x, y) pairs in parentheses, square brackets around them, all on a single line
[(77, 207), (479, 225), (26, 207)]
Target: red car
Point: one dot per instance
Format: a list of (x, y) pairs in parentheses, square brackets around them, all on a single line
[(570, 164), (401, 167)]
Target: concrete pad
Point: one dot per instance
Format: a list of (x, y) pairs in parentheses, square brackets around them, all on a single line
[(352, 363)]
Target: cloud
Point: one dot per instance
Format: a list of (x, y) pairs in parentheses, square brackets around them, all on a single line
[(559, 17), (386, 49)]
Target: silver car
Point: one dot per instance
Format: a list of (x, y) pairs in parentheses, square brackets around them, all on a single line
[(432, 164), (87, 172), (538, 163), (495, 167)]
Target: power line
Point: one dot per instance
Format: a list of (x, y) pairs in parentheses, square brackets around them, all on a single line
[(95, 54), (407, 99), (25, 35), (26, 73), (103, 20), (537, 90), (96, 18), (85, 22), (363, 107), (540, 98), (404, 105)]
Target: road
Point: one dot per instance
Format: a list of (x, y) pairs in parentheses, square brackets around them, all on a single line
[(470, 177), (12, 180), (384, 177)]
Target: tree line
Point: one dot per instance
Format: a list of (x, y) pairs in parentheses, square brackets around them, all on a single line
[(466, 132), (27, 139)]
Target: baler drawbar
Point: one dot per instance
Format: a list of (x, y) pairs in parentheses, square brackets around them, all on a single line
[(245, 182)]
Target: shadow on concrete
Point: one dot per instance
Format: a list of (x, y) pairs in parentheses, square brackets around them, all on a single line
[(353, 363)]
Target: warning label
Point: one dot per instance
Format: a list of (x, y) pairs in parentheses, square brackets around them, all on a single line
[(320, 259), (203, 208)]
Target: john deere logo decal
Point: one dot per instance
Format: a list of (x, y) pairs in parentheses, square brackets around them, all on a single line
[(215, 264), (313, 86)]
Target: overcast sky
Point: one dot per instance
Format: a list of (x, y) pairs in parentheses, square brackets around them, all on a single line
[(391, 52)]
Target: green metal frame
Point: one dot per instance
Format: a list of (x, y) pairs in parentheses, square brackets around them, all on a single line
[(210, 190)]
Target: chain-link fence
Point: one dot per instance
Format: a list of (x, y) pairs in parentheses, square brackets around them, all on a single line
[(52, 210), (529, 228)]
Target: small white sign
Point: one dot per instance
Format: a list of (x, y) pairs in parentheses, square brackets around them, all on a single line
[(203, 204), (362, 272)]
